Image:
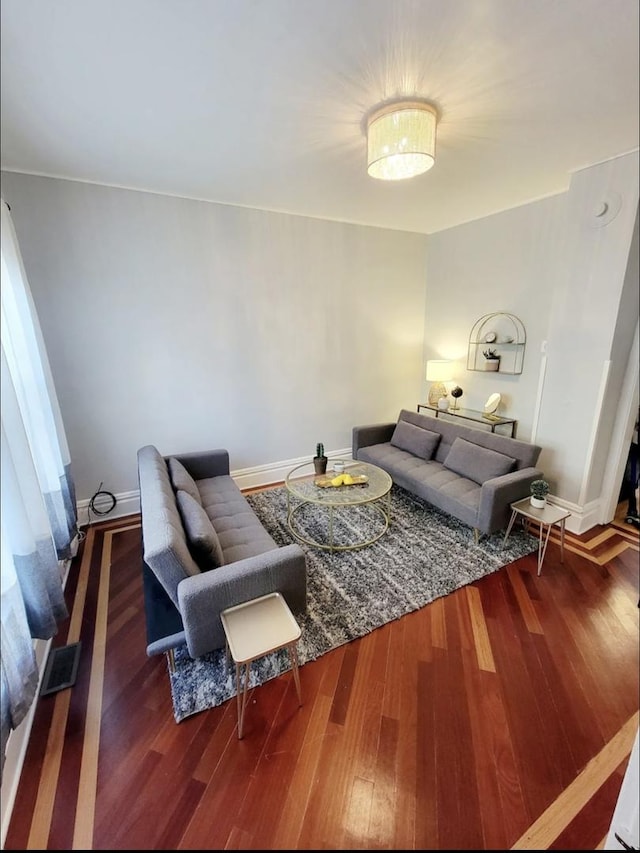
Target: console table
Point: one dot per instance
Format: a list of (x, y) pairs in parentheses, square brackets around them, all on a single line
[(492, 421)]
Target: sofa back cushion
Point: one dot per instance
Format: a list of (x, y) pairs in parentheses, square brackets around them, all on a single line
[(164, 544), (414, 439), (202, 538), (477, 463), (182, 479)]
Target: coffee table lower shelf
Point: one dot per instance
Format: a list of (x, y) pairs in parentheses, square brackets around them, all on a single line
[(330, 545), (371, 489)]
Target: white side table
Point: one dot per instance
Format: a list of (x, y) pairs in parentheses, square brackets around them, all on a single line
[(254, 629), (546, 518)]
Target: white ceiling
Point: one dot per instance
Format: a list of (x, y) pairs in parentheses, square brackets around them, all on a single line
[(260, 103)]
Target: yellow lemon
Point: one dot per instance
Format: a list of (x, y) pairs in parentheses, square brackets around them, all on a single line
[(347, 480), (337, 481)]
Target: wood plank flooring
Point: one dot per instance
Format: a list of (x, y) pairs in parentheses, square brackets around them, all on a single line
[(499, 717)]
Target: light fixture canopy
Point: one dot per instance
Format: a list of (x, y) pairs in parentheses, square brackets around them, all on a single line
[(439, 371), (401, 140)]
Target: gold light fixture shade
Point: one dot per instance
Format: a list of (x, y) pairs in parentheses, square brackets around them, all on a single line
[(401, 140)]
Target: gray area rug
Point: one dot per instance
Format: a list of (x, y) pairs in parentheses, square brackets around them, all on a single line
[(424, 555)]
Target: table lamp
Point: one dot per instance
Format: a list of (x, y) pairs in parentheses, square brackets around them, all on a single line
[(438, 372)]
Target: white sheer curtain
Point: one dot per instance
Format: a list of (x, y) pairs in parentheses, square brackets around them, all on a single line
[(38, 514)]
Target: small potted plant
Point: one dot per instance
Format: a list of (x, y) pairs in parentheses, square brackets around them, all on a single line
[(320, 460), (492, 359), (539, 491)]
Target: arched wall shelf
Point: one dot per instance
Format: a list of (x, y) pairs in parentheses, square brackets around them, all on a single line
[(503, 333)]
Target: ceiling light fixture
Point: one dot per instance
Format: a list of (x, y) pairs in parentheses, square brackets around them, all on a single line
[(401, 140)]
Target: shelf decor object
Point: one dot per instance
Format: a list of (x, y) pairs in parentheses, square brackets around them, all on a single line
[(438, 371), (456, 393), (507, 337), (492, 359), (491, 406)]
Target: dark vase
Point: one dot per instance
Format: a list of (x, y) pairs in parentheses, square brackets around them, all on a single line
[(320, 464)]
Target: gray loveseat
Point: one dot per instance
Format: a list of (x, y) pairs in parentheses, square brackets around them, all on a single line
[(469, 473), (204, 549)]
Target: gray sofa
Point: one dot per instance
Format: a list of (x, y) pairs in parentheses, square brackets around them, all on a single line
[(469, 473), (204, 549)]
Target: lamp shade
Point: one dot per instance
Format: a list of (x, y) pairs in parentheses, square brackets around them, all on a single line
[(401, 140), (439, 370)]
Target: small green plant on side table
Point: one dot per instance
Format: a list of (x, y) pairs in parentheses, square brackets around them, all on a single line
[(539, 490)]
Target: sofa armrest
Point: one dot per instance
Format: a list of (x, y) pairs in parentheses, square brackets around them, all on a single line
[(365, 436), (205, 464), (203, 597), (499, 493)]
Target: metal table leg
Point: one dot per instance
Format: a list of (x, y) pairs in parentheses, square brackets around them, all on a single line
[(514, 513), (542, 548)]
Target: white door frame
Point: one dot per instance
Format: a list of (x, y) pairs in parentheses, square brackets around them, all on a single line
[(622, 433)]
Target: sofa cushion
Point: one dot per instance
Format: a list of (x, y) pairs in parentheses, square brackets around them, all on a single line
[(414, 439), (182, 479), (239, 529), (477, 463), (202, 538)]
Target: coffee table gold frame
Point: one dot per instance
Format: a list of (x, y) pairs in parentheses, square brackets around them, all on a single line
[(301, 485)]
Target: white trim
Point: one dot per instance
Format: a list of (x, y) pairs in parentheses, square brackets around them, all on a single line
[(622, 434), (266, 475), (538, 407), (278, 210), (582, 518), (128, 503), (595, 425)]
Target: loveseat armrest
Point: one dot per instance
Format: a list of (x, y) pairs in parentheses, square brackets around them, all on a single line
[(204, 464), (499, 493), (203, 597), (365, 436)]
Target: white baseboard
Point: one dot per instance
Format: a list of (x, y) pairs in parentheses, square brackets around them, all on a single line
[(266, 475), (582, 518), (128, 503)]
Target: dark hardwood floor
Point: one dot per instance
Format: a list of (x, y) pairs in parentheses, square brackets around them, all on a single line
[(499, 717)]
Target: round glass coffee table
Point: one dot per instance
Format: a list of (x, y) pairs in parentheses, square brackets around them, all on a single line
[(323, 505)]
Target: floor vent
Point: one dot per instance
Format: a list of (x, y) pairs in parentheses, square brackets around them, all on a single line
[(61, 669)]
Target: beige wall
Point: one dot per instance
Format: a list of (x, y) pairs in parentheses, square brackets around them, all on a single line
[(192, 325)]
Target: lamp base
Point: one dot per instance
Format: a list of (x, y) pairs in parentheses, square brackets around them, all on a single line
[(436, 391)]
